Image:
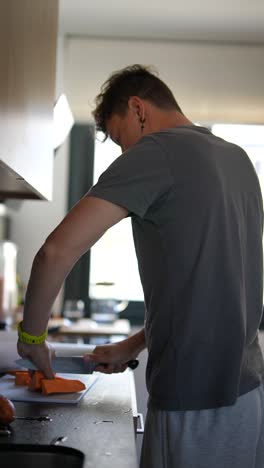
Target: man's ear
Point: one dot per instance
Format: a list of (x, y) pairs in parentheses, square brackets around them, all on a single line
[(136, 104)]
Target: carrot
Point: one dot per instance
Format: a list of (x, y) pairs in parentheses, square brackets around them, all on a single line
[(22, 378), (60, 385), (16, 371), (35, 382), (12, 372)]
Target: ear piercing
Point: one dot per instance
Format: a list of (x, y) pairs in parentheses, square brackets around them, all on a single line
[(142, 121)]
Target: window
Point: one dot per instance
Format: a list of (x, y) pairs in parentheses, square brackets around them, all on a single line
[(113, 267)]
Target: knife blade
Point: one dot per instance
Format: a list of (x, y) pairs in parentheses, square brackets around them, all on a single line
[(71, 365)]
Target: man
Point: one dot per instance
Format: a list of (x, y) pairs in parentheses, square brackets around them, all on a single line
[(197, 216)]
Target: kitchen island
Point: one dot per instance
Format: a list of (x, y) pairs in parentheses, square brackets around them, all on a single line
[(101, 425)]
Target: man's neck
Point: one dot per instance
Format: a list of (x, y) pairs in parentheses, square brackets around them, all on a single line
[(160, 120)]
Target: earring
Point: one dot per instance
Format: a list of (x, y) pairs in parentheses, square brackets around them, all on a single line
[(142, 121)]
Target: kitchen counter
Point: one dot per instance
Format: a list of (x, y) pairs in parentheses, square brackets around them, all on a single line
[(101, 425)]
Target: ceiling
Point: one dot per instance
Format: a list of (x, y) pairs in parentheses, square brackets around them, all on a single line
[(239, 21), (217, 49)]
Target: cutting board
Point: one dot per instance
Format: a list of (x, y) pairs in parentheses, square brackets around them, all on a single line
[(18, 393)]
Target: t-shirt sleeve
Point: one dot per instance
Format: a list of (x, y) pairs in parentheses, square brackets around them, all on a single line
[(136, 179)]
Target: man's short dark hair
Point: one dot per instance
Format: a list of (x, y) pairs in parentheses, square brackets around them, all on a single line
[(134, 80)]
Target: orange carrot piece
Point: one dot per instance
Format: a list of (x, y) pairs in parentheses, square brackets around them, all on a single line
[(12, 372), (60, 385), (35, 382), (16, 371), (22, 378)]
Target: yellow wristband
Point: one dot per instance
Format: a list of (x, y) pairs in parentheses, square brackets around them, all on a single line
[(30, 339)]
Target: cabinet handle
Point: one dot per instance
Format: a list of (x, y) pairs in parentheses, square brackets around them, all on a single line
[(140, 430)]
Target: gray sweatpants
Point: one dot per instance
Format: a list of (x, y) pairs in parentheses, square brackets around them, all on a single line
[(228, 437)]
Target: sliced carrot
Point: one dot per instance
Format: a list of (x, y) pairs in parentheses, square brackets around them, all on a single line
[(15, 372), (12, 372), (22, 378), (35, 382), (60, 385)]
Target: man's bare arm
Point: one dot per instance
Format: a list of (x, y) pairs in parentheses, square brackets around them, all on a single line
[(88, 220)]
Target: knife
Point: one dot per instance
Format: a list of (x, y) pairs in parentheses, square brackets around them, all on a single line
[(71, 365)]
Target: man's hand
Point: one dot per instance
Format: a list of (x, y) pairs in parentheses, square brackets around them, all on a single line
[(113, 356), (39, 354)]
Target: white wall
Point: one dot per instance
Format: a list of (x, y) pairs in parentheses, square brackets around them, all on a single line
[(212, 82), (32, 221)]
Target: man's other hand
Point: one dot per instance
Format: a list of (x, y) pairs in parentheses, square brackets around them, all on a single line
[(110, 358), (40, 354)]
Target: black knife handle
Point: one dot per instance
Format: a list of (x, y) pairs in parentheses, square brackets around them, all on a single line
[(133, 363)]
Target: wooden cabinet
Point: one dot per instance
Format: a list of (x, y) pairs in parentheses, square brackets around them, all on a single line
[(28, 37)]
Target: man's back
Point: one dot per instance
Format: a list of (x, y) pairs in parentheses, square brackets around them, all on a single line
[(199, 248)]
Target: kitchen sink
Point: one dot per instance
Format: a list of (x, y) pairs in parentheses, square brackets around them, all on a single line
[(40, 456)]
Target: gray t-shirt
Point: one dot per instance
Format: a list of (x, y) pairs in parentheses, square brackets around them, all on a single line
[(197, 216)]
